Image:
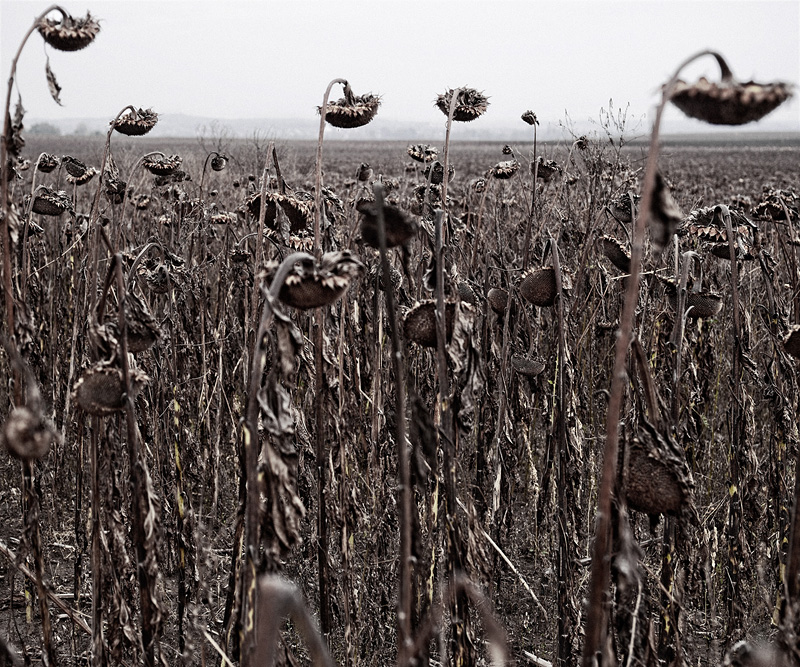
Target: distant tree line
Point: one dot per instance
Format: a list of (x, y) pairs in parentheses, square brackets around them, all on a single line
[(48, 129)]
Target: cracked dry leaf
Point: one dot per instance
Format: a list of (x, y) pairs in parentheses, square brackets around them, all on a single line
[(52, 84)]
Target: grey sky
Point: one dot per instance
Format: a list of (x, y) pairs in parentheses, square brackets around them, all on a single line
[(242, 59)]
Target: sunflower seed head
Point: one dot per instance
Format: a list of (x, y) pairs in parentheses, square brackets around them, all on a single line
[(470, 104)]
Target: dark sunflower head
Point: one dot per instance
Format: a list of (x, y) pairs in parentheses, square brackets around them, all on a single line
[(538, 286), (101, 391), (46, 163), (351, 110), (422, 152), (470, 104), (219, 162), (27, 435), (74, 166), (728, 101), (69, 33), (51, 202), (136, 122), (161, 165), (84, 178), (419, 324), (505, 169), (312, 284), (399, 229)]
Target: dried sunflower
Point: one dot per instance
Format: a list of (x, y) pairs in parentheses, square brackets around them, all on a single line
[(699, 304), (705, 225), (253, 205), (505, 169), (136, 122), (538, 286), (219, 162), (422, 152), (620, 207), (470, 104), (161, 165), (530, 118), (50, 202), (73, 165), (658, 478), (114, 188), (478, 185), (467, 293), (46, 163), (312, 284), (299, 208), (141, 202), (223, 218), (546, 169), (143, 330), (498, 299), (351, 110), (399, 229), (27, 435), (771, 206), (100, 390), (84, 178), (68, 34), (364, 173), (616, 253), (527, 366), (435, 172), (419, 324), (728, 102)]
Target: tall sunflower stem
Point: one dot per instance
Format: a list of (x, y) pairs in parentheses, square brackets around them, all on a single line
[(597, 605), (319, 388), (404, 638)]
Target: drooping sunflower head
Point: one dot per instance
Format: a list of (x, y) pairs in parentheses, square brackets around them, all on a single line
[(351, 110), (69, 33), (470, 103), (136, 122), (728, 101)]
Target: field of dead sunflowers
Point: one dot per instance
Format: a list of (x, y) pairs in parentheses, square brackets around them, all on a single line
[(433, 403)]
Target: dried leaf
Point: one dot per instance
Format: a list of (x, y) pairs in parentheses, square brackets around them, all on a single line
[(276, 410), (52, 84), (422, 434), (665, 216), (15, 142)]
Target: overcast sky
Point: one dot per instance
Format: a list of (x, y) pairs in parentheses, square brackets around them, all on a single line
[(269, 59)]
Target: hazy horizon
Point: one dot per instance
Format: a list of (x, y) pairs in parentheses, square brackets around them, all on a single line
[(247, 59)]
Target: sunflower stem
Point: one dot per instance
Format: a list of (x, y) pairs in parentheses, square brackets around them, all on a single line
[(404, 639)]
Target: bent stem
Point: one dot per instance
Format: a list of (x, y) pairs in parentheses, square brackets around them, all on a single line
[(251, 447), (5, 202), (319, 412), (596, 616)]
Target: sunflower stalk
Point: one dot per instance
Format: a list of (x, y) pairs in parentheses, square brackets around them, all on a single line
[(251, 445), (597, 605), (460, 640), (5, 202), (404, 639), (319, 389)]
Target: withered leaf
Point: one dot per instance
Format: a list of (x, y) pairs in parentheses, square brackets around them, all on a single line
[(15, 142), (665, 216), (52, 84), (275, 404)]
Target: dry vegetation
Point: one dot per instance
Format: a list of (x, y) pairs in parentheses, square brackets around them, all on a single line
[(200, 412)]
